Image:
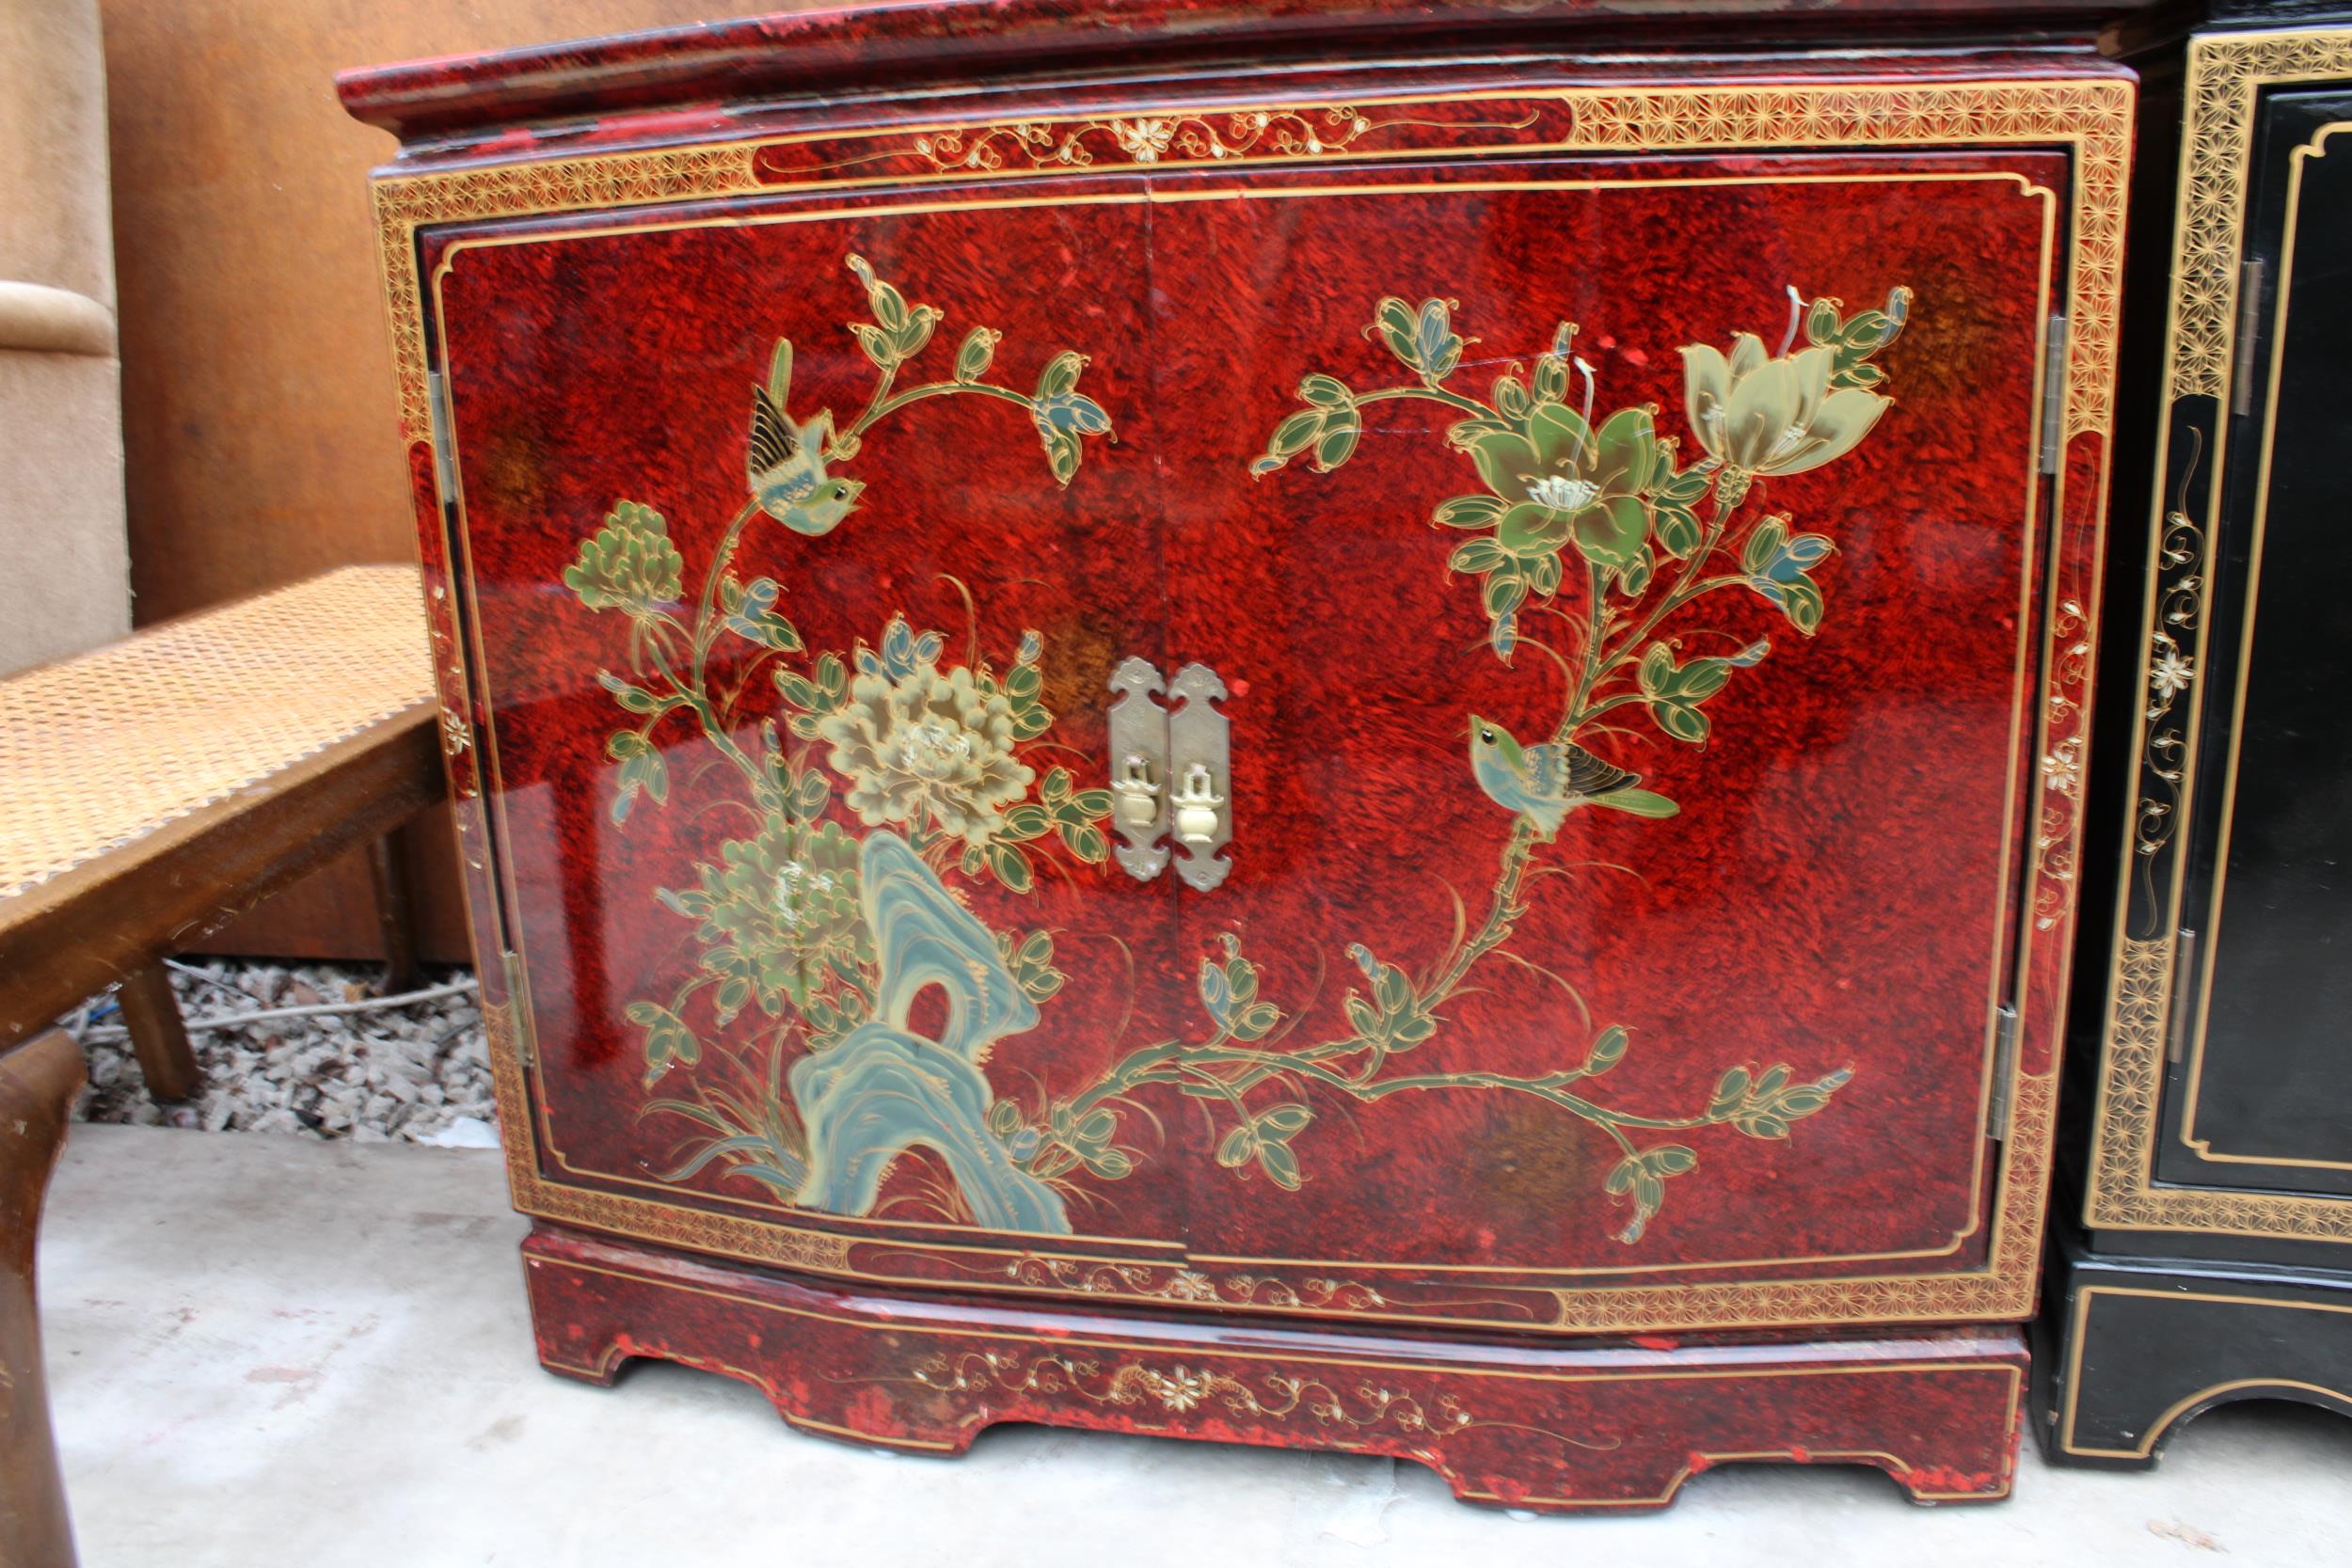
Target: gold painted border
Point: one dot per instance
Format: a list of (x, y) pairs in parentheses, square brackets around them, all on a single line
[(2163, 1424), (1998, 978), (2210, 947), (2226, 76), (2089, 116)]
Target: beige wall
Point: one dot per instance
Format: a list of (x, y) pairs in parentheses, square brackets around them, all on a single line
[(258, 378), (63, 576)]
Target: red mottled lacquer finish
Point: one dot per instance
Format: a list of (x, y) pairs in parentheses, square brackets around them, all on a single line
[(595, 250), (1555, 1430)]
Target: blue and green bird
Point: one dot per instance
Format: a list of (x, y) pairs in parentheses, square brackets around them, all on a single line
[(786, 463), (1543, 783)]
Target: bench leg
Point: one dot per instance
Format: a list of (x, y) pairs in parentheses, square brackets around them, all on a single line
[(37, 1083), (395, 910), (151, 1014)]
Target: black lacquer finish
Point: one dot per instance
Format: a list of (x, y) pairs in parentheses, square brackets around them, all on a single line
[(2262, 1097), (2210, 1090), (2130, 1350)]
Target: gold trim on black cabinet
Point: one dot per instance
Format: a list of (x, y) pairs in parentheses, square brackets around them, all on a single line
[(2225, 76)]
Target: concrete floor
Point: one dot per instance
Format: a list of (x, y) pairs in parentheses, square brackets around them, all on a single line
[(265, 1351)]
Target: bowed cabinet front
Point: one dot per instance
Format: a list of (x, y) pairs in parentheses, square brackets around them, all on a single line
[(1393, 771)]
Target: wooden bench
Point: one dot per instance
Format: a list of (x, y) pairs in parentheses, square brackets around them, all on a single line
[(149, 791)]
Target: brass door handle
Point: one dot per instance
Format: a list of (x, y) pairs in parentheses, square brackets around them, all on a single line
[(1187, 743)]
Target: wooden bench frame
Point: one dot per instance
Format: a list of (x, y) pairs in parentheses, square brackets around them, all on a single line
[(115, 918)]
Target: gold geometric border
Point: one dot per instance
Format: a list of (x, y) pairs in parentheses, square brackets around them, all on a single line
[(2226, 76), (2090, 117), (2123, 1195), (2093, 116)]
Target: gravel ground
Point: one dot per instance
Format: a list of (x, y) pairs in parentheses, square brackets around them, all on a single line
[(375, 1070)]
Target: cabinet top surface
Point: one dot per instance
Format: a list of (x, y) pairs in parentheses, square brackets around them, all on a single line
[(898, 42)]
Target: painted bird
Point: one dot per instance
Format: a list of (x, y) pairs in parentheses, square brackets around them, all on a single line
[(1544, 783), (787, 460)]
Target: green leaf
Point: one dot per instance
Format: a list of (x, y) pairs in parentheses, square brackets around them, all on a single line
[(1086, 842), (1397, 323), (1023, 821), (1763, 545), (1476, 557), (1255, 1019), (875, 342), (1543, 575), (1326, 391), (1237, 1146), (1469, 511), (636, 699), (753, 616), (1681, 721), (1337, 443), (1656, 669), (1703, 677), (1608, 1051), (1504, 592), (1438, 350), (1010, 865), (1282, 1122), (1802, 603), (1278, 1162), (1061, 373), (1293, 436), (978, 353), (1675, 528)]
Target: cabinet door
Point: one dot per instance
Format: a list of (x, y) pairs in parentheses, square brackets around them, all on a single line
[(1584, 975), (798, 548), (1625, 574), (2260, 1093)]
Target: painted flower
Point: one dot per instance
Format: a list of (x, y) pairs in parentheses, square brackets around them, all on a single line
[(1564, 482), (1143, 140), (2171, 675), (627, 564), (2062, 767), (1179, 1389), (1766, 415), (927, 747), (779, 908)]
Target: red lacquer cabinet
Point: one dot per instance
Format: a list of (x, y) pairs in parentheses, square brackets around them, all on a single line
[(1272, 725)]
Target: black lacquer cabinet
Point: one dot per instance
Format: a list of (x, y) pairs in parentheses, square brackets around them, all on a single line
[(2212, 1098)]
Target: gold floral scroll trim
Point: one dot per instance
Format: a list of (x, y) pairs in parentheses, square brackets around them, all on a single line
[(1179, 1389)]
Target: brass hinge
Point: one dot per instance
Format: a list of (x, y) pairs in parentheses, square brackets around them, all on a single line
[(2004, 1068), (444, 439), (2184, 981), (2249, 310), (2054, 396)]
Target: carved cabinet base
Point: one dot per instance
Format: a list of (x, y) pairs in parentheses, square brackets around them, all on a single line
[(2133, 1349), (1558, 1429)]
